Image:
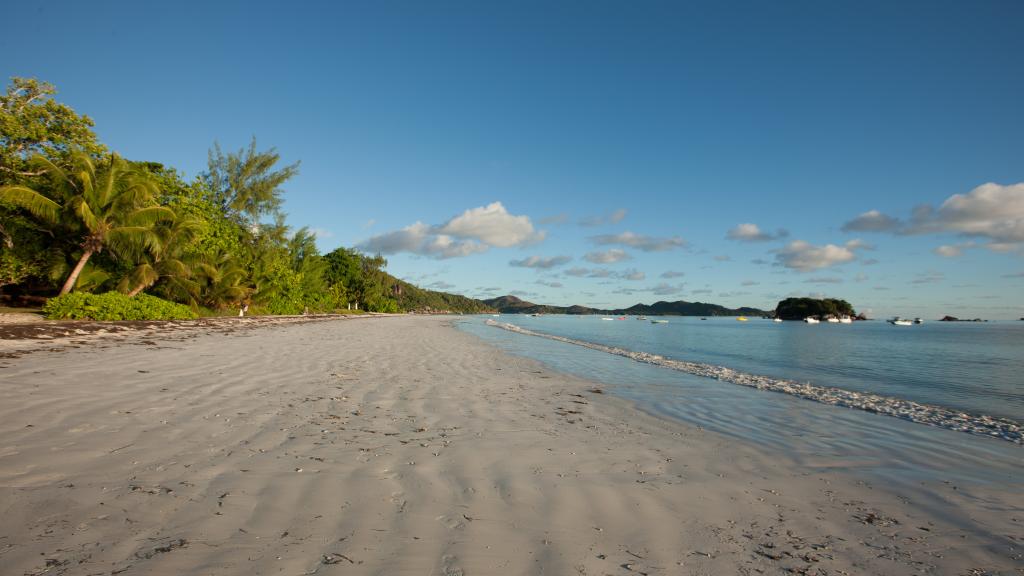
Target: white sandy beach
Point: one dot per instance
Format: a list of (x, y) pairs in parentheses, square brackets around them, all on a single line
[(400, 445)]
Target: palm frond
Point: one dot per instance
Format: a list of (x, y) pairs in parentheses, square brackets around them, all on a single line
[(28, 199)]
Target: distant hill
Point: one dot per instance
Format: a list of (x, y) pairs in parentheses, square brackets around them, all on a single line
[(412, 298), (513, 305)]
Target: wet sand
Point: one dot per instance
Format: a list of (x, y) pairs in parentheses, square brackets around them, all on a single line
[(401, 445)]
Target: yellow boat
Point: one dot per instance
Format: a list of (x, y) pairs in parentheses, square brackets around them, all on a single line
[(741, 318)]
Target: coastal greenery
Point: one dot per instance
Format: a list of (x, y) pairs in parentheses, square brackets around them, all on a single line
[(114, 306), (126, 239), (800, 308)]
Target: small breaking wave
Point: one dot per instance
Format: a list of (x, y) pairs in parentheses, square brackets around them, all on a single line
[(981, 425)]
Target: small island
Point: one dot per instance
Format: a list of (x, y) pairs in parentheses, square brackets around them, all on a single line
[(800, 308)]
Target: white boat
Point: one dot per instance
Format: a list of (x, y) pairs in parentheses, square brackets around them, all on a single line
[(607, 318), (776, 319), (846, 320), (811, 320), (897, 321), (659, 321), (832, 320), (641, 317), (918, 321)]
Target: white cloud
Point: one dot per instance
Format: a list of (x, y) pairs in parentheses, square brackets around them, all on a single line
[(628, 274), (672, 274), (666, 289), (949, 251), (749, 283), (632, 274), (549, 283), (369, 223), (492, 225), (752, 233), (474, 231), (804, 256), (320, 233), (613, 218), (991, 211), (723, 258), (824, 280), (640, 242), (872, 221), (540, 263), (607, 257), (441, 285)]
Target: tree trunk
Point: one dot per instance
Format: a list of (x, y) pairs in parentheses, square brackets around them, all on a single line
[(70, 283), (137, 289)]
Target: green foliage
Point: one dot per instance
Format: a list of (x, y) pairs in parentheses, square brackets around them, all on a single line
[(33, 123), (71, 212), (800, 308), (244, 184), (114, 306)]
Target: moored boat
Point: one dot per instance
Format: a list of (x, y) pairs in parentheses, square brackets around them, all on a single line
[(811, 320), (659, 321), (897, 321), (741, 318)]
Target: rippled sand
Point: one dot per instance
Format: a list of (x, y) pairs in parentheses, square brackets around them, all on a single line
[(402, 446)]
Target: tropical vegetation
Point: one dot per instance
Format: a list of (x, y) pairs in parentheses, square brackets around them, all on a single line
[(112, 237)]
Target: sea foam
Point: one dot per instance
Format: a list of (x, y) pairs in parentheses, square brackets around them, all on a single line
[(979, 424)]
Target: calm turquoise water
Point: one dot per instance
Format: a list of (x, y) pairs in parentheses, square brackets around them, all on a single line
[(977, 368)]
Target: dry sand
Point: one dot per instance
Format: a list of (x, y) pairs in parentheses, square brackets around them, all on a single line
[(403, 446)]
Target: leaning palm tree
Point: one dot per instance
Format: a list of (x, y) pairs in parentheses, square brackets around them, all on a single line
[(107, 204)]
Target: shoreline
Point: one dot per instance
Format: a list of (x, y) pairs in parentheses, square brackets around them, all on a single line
[(407, 446), (917, 412)]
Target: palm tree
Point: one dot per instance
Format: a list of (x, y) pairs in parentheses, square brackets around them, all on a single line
[(108, 204), (219, 281), (165, 258)]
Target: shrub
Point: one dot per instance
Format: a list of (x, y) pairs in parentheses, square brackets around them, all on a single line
[(114, 306)]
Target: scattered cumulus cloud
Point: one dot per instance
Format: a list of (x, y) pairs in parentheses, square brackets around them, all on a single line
[(666, 289), (550, 283), (805, 257), (872, 221), (492, 225), (723, 258), (632, 274), (752, 233), (824, 280), (612, 218), (441, 285), (540, 263), (749, 283), (607, 257), (640, 241), (672, 274), (320, 233), (702, 291), (992, 212), (474, 231), (628, 274)]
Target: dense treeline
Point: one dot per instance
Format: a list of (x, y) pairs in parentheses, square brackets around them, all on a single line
[(800, 308), (75, 216)]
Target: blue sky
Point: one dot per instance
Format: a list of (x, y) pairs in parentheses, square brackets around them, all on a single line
[(610, 150)]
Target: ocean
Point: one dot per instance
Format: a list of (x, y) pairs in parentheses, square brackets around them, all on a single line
[(974, 368)]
